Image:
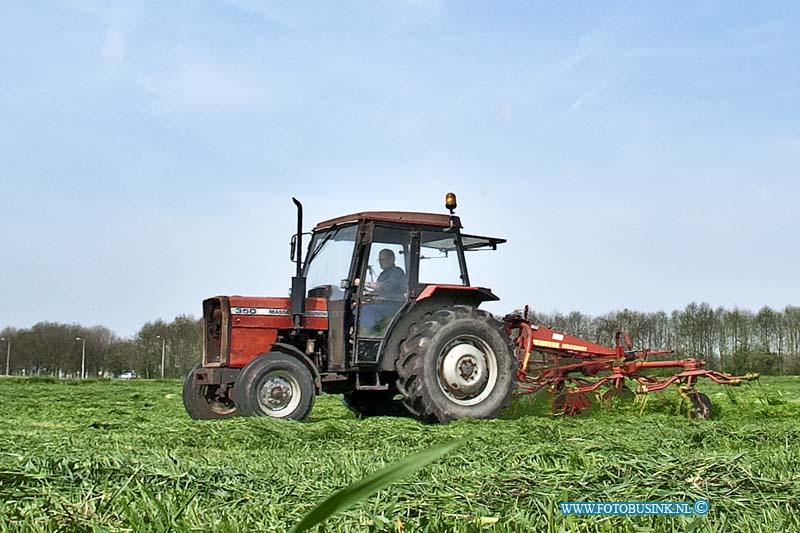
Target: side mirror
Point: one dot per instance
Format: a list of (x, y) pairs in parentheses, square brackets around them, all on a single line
[(293, 247), (345, 284)]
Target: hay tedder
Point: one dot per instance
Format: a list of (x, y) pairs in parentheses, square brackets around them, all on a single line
[(383, 312), (573, 370)]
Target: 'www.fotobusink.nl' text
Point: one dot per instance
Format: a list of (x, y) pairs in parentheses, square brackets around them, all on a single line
[(699, 507)]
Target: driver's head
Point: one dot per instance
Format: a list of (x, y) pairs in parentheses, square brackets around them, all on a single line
[(386, 258)]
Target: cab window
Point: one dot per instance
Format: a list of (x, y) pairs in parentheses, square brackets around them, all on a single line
[(438, 258), (328, 262)]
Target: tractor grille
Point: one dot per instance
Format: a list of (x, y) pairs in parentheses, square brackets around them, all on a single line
[(215, 326)]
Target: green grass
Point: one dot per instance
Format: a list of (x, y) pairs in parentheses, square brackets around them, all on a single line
[(123, 456)]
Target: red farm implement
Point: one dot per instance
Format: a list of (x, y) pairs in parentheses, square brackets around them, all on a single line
[(573, 370)]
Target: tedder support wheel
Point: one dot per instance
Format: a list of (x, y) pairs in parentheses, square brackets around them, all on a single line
[(366, 403), (204, 402), (456, 363), (277, 385), (570, 405), (699, 406)]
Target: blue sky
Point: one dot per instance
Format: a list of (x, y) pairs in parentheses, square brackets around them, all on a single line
[(635, 155)]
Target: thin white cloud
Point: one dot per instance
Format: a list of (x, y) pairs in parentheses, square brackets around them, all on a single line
[(295, 16), (433, 6), (424, 9), (188, 82), (587, 97), (119, 18), (271, 11), (788, 145), (113, 49), (706, 52), (758, 31), (528, 76)]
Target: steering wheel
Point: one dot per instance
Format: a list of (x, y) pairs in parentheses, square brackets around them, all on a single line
[(368, 295)]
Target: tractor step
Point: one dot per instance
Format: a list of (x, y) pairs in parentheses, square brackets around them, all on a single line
[(377, 383)]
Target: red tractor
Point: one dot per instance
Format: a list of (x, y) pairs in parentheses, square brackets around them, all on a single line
[(381, 311)]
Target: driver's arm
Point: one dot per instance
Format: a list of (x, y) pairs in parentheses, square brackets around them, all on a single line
[(370, 285)]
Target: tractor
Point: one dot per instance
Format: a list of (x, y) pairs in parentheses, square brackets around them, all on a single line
[(381, 311)]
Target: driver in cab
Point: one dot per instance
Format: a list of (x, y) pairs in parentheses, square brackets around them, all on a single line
[(391, 283), (388, 291)]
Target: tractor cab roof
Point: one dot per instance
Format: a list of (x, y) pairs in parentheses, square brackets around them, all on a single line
[(443, 244), (397, 217)]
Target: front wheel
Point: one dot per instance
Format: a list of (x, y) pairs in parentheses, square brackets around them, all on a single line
[(205, 402), (276, 385), (457, 363)]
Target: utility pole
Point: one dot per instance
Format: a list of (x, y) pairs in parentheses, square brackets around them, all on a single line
[(83, 356), (163, 352), (8, 354)]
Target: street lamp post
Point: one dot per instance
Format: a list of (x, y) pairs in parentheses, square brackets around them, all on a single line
[(163, 352), (8, 354), (83, 356)]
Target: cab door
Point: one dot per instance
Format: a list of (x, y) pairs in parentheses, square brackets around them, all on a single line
[(383, 288), (329, 273)]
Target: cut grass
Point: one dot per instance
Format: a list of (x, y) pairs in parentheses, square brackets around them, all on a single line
[(113, 456)]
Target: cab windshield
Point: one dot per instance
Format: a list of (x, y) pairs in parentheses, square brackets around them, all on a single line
[(329, 256)]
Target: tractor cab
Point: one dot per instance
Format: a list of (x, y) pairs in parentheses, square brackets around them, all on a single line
[(372, 267)]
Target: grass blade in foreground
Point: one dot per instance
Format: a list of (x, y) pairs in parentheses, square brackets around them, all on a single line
[(367, 486)]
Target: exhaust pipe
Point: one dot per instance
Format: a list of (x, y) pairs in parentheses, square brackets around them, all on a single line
[(298, 297)]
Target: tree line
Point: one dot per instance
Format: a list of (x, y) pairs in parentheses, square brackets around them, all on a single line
[(734, 340), (52, 349)]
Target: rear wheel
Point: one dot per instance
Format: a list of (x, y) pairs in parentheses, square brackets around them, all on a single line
[(276, 385), (456, 363), (204, 402), (374, 403)]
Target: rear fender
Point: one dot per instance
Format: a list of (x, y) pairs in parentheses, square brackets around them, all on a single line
[(459, 294)]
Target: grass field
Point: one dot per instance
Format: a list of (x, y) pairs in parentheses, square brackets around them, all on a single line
[(123, 456)]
